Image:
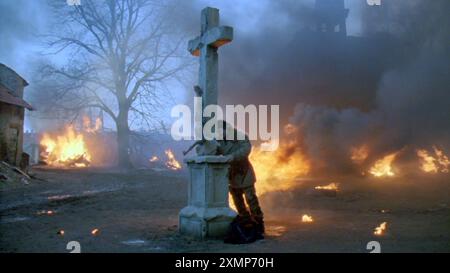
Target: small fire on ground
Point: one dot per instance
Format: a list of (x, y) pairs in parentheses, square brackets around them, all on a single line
[(171, 163), (329, 187), (380, 229), (307, 218)]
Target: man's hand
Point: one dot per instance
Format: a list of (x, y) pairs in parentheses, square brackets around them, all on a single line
[(229, 157)]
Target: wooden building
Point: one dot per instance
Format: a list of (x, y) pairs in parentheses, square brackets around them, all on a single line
[(12, 113)]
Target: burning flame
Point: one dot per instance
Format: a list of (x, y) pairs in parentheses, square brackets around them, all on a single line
[(278, 170), (380, 229), (307, 218), (154, 159), (329, 187), (359, 154), (88, 127), (433, 164), (172, 162), (95, 231), (383, 167), (68, 149)]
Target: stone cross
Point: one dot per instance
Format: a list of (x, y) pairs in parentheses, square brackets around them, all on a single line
[(212, 36), (207, 213)]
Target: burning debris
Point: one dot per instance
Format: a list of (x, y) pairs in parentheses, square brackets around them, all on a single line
[(329, 187), (328, 190), (95, 231), (172, 162), (66, 150), (60, 232), (380, 229), (46, 212), (154, 159), (307, 218), (438, 162), (383, 167)]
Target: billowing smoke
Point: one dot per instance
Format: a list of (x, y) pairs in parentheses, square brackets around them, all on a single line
[(411, 107), (384, 86)]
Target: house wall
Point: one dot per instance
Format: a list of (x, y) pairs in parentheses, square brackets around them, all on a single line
[(11, 133)]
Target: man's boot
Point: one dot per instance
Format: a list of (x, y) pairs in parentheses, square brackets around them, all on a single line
[(259, 224)]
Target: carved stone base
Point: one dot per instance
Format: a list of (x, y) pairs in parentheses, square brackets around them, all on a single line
[(207, 214)]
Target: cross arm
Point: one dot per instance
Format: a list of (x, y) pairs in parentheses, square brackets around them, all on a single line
[(215, 37)]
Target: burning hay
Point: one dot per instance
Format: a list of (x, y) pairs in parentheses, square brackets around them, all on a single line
[(65, 150)]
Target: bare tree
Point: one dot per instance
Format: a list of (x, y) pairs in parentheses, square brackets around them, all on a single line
[(122, 52)]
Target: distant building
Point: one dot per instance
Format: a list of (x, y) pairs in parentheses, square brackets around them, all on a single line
[(331, 16), (12, 112)]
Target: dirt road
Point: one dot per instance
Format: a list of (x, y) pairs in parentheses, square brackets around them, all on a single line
[(138, 212)]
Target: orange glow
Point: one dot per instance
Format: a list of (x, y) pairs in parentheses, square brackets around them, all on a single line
[(88, 127), (307, 218), (383, 167), (359, 154), (95, 231), (329, 187), (154, 158), (66, 150), (279, 170), (172, 162), (380, 229), (438, 162)]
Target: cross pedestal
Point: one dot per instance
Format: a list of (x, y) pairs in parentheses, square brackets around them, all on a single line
[(207, 214)]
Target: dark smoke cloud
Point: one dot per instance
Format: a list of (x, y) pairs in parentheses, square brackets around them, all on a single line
[(412, 102), (387, 88)]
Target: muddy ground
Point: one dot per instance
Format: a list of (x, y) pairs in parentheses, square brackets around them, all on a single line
[(138, 212)]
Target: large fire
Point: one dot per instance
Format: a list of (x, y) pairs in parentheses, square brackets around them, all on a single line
[(66, 150), (383, 167), (278, 170), (438, 162)]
